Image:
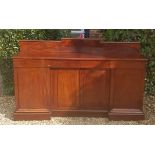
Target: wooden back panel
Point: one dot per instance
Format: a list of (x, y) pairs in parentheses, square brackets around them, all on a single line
[(46, 47)]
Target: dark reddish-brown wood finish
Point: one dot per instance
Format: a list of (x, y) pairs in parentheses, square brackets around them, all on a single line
[(79, 77)]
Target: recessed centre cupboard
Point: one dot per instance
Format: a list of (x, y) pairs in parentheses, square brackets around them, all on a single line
[(79, 77)]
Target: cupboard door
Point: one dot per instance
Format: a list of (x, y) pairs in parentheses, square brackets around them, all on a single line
[(32, 88), (128, 88), (94, 89), (65, 89)]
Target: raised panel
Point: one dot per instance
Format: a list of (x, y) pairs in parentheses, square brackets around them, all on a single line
[(67, 96), (32, 88), (128, 88), (94, 89)]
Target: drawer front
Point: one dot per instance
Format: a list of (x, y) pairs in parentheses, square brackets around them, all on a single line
[(29, 63), (70, 64), (75, 64), (61, 64)]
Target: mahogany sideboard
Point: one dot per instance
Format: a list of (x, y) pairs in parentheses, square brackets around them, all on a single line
[(79, 77)]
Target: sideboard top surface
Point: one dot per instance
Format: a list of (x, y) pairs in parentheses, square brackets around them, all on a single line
[(78, 49)]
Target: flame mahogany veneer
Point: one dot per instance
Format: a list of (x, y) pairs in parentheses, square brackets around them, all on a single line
[(79, 77)]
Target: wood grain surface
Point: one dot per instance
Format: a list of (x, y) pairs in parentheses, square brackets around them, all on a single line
[(79, 77)]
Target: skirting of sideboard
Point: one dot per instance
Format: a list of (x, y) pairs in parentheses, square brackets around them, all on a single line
[(126, 115), (112, 115)]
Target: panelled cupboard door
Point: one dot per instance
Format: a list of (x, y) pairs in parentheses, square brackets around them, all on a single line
[(94, 89), (79, 89), (128, 85), (32, 88), (64, 89)]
